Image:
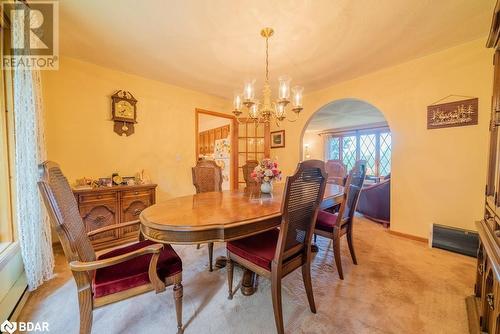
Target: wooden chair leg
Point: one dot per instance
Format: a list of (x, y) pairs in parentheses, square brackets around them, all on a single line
[(198, 246), (276, 294), (306, 276), (230, 270), (210, 255), (336, 253), (351, 245), (85, 305), (178, 292)]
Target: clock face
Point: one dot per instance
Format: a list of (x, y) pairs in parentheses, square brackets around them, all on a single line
[(124, 109)]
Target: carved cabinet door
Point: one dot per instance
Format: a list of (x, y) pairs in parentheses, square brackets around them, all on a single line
[(99, 215), (132, 204)]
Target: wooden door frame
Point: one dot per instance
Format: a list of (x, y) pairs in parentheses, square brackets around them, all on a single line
[(234, 140)]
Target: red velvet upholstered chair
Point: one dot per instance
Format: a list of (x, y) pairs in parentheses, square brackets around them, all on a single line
[(335, 225), (115, 275), (276, 253)]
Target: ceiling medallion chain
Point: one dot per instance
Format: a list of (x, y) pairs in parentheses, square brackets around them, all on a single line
[(265, 111)]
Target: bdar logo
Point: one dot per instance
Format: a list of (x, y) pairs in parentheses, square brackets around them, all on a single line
[(8, 327)]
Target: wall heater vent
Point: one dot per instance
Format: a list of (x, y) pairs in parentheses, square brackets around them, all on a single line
[(455, 239)]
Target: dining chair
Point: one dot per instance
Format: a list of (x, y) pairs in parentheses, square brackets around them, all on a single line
[(114, 275), (336, 172), (335, 225), (207, 176), (248, 168), (277, 252)]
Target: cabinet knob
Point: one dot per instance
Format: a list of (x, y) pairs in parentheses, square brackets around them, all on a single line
[(137, 212), (99, 196), (136, 193)]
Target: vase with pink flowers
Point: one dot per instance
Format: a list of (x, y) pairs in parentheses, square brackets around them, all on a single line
[(265, 173)]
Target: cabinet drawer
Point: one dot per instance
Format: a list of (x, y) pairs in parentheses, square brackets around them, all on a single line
[(86, 198), (136, 193)]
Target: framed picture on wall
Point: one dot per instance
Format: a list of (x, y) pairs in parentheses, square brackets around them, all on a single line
[(278, 139)]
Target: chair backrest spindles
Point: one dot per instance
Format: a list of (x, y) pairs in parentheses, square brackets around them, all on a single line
[(302, 196)]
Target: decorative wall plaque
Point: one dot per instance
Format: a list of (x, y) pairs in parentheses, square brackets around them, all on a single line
[(451, 114)]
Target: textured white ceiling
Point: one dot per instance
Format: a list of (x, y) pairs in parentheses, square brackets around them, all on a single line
[(212, 45), (343, 114)]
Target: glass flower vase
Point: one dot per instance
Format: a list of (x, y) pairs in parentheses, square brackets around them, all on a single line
[(266, 187)]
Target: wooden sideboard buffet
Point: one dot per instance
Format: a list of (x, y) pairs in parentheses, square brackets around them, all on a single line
[(483, 307), (109, 206)]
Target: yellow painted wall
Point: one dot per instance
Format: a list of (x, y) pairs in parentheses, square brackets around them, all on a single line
[(315, 146), (80, 135), (438, 176)]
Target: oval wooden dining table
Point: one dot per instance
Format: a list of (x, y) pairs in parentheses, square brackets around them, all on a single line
[(221, 216)]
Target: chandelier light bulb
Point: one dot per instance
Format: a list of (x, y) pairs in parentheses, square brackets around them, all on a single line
[(253, 111), (297, 96), (284, 87), (280, 111), (237, 102), (249, 90)]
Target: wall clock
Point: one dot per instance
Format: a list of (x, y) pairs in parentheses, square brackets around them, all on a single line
[(123, 112)]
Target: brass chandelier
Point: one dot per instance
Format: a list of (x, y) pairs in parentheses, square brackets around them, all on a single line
[(265, 111)]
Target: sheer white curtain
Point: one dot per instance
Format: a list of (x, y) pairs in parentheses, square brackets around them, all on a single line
[(33, 225), (326, 145)]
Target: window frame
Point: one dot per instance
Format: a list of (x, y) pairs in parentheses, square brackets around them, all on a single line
[(8, 230), (377, 131)]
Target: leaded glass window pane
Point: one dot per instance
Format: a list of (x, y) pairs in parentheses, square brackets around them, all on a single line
[(385, 153), (349, 151), (334, 148), (367, 152)]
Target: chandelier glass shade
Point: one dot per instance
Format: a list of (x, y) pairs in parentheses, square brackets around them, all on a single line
[(265, 110)]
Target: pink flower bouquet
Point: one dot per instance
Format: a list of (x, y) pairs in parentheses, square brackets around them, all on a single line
[(266, 171)]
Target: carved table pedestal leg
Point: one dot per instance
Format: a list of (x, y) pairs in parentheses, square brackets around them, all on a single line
[(220, 262), (248, 283)]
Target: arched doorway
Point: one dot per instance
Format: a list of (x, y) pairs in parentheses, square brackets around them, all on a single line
[(348, 130)]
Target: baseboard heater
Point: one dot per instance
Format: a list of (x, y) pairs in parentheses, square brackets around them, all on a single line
[(455, 239)]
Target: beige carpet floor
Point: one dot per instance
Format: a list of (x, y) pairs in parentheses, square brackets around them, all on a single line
[(399, 286)]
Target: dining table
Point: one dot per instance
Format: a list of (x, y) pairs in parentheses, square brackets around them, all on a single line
[(221, 216)]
